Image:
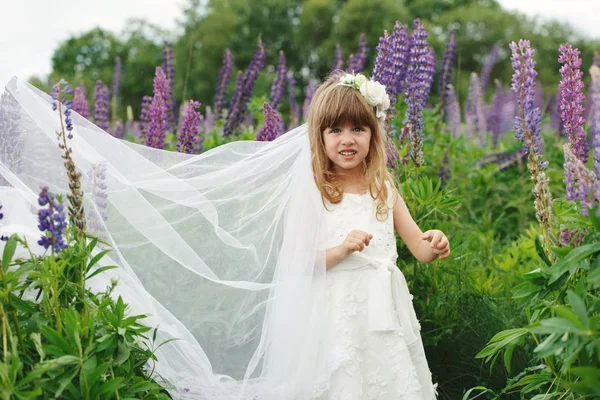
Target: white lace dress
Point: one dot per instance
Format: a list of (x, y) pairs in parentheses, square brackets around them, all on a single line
[(374, 332)]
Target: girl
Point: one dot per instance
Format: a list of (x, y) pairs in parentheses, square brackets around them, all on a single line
[(373, 322), (232, 254)]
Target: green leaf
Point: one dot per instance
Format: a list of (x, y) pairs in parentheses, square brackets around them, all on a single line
[(111, 386), (566, 313), (55, 338), (97, 258), (555, 325), (468, 393), (540, 250), (578, 305), (574, 257), (141, 387), (9, 251), (122, 354), (91, 245), (99, 270), (508, 356)]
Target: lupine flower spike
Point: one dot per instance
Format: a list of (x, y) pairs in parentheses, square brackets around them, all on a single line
[(527, 127)]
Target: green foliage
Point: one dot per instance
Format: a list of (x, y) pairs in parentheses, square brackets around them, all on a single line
[(563, 309), (60, 340)]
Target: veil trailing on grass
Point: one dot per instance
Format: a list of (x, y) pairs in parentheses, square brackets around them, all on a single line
[(220, 250)]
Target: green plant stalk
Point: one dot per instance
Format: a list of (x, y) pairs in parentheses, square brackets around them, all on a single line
[(53, 296), (112, 375), (5, 327), (13, 313)]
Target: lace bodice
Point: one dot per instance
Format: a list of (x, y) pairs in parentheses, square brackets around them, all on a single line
[(358, 212)]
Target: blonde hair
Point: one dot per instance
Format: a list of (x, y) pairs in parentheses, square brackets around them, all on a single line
[(334, 105)]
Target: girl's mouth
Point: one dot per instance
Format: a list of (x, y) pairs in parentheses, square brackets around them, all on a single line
[(348, 154)]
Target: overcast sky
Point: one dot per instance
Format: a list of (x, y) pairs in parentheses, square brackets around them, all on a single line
[(27, 41)]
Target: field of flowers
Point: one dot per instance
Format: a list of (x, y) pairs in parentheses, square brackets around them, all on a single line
[(513, 180)]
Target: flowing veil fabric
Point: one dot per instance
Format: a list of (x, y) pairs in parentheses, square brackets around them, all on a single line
[(220, 250)]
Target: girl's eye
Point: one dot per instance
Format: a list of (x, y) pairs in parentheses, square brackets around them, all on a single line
[(358, 129)]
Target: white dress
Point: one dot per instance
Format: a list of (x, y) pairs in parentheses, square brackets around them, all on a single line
[(374, 334)]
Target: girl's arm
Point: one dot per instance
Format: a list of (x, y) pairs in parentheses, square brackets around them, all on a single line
[(423, 250)]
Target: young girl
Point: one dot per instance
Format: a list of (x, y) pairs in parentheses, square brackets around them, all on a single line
[(374, 331), (268, 269)]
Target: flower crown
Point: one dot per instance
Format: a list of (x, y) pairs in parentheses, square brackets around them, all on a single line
[(373, 92)]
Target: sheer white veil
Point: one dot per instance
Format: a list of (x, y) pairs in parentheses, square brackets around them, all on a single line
[(220, 250)]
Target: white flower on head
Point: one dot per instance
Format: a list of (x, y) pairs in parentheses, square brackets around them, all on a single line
[(373, 92), (359, 80)]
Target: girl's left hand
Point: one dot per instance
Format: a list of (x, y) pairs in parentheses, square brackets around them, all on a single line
[(439, 242)]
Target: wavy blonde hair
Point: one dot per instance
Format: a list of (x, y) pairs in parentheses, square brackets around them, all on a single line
[(333, 105)]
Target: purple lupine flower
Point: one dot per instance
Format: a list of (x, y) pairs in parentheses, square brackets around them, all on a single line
[(52, 221), (273, 126), (503, 160), (233, 117), (294, 107), (527, 127), (445, 169), (220, 100), (571, 236), (572, 98), (311, 88), (11, 138), (133, 127), (158, 121), (237, 108), (391, 63), (278, 86), (145, 116), (486, 71), (338, 60), (391, 154), (595, 117), (430, 68), (63, 88), (401, 140), (476, 122), (101, 106), (118, 130), (116, 85), (452, 112), (188, 134), (416, 85), (447, 64), (356, 62), (80, 103), (382, 69), (168, 67), (581, 183), (507, 119), (209, 120), (523, 83), (495, 114), (97, 217), (400, 50)]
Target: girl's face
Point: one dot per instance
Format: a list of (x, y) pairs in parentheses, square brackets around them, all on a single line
[(347, 146)]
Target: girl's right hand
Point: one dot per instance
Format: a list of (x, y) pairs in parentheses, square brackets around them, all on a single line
[(355, 241)]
